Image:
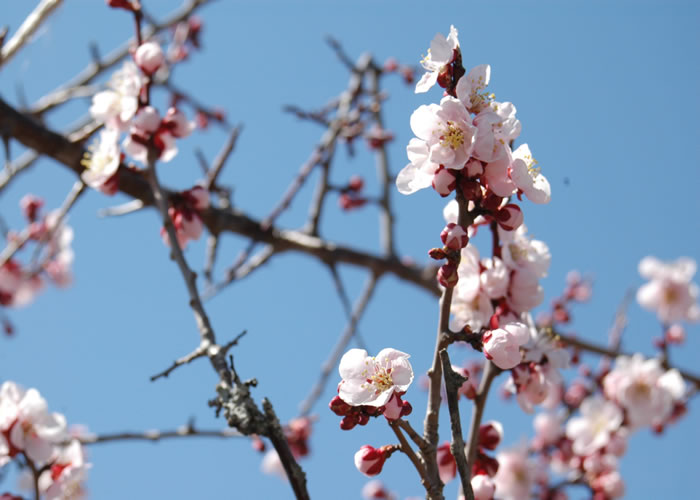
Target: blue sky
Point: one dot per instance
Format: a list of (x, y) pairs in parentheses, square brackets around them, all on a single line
[(607, 93)]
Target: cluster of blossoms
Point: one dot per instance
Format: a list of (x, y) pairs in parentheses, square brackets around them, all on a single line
[(41, 439), (52, 257), (124, 109)]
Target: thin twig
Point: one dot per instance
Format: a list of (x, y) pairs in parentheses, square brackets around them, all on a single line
[(197, 353), (89, 73), (339, 348), (158, 435), (220, 160), (382, 158), (453, 381), (125, 208), (40, 14), (408, 451)]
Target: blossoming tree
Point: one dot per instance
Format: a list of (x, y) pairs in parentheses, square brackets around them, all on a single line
[(483, 272)]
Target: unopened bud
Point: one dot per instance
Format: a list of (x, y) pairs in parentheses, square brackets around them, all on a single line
[(490, 435), (149, 57), (444, 181), (675, 334), (447, 275), (509, 217), (437, 253), (356, 183), (369, 460), (454, 236)]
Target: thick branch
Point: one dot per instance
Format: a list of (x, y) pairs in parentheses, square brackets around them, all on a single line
[(35, 136)]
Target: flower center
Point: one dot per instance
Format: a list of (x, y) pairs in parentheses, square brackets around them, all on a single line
[(381, 380), (452, 137), (671, 295)]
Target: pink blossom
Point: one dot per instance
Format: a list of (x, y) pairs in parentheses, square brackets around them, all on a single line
[(145, 132), (527, 177), (371, 381), (65, 479), (177, 123), (375, 490), (530, 383), (611, 484), (444, 181), (592, 430), (494, 277), (369, 460), (502, 345), (116, 106), (470, 86), (440, 54), (483, 487), (522, 253), (643, 389), (445, 136), (524, 291), (549, 427), (670, 293), (102, 163), (516, 474)]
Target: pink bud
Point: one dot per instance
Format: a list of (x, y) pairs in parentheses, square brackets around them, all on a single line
[(483, 487), (447, 275), (490, 435), (369, 460), (121, 4), (30, 206), (176, 122), (502, 345), (356, 183), (454, 237), (198, 197), (509, 217), (391, 64), (675, 334), (149, 57), (447, 466), (444, 181), (374, 490)]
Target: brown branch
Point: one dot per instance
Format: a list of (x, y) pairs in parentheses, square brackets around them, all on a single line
[(220, 160), (386, 218), (490, 372), (197, 353), (453, 381), (405, 448), (339, 348), (35, 136), (157, 435)]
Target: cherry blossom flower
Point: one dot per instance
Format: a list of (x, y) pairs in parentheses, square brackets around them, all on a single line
[(116, 106), (440, 54), (670, 294), (520, 252), (145, 132), (472, 84), (445, 136), (490, 434), (371, 381), (643, 389), (592, 430), (611, 484), (102, 162), (375, 490), (527, 177), (67, 475), (516, 474), (502, 345), (548, 427)]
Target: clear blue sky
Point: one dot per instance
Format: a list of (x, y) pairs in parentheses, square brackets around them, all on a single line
[(607, 93)]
